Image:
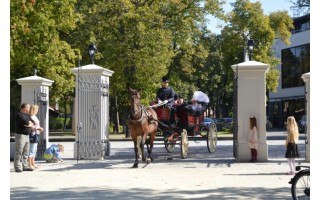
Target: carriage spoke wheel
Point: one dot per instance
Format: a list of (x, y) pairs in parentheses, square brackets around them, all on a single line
[(212, 137), (168, 144), (184, 143)]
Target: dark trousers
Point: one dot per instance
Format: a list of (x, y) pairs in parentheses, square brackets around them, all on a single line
[(254, 155)]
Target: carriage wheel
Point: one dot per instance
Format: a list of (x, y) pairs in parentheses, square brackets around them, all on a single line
[(168, 145), (212, 137), (184, 143)]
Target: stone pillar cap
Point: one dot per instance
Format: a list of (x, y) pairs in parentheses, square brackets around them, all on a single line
[(250, 65), (34, 80), (92, 68)]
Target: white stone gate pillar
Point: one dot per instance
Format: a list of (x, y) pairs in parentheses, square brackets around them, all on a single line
[(306, 79), (92, 112), (35, 90), (251, 102)]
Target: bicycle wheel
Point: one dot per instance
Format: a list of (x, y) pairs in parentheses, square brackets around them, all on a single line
[(300, 188)]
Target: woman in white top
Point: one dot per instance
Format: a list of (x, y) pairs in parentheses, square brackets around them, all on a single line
[(34, 145), (253, 139)]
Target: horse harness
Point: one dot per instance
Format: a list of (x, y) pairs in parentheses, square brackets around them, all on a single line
[(149, 117)]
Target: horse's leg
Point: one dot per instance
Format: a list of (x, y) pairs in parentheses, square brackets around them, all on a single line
[(152, 138), (148, 145), (141, 145), (135, 165)]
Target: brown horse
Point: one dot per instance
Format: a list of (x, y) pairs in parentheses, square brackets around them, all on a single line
[(142, 122)]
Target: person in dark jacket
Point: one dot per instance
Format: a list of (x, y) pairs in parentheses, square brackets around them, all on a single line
[(166, 94), (25, 126)]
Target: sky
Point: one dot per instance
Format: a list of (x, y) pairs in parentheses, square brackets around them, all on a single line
[(268, 6)]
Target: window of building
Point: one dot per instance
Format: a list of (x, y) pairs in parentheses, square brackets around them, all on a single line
[(301, 24), (295, 62)]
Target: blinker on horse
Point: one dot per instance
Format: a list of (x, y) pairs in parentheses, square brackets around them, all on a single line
[(142, 123)]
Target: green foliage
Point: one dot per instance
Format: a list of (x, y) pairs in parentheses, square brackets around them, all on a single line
[(247, 21), (141, 41), (58, 123), (35, 43)]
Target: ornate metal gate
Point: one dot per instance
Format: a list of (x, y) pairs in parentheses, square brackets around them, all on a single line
[(92, 128), (40, 99)]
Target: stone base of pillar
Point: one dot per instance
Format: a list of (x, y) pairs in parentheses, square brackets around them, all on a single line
[(244, 153), (96, 150)]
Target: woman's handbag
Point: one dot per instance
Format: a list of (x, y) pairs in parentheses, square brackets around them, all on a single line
[(34, 138)]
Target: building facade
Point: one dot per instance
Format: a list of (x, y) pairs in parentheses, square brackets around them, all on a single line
[(289, 100)]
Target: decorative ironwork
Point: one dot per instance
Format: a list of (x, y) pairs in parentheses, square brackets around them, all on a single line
[(40, 96), (93, 149), (94, 116), (94, 84), (92, 138)]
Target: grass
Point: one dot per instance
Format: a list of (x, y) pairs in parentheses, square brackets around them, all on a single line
[(66, 133)]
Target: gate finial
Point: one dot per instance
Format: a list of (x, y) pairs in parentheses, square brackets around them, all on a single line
[(35, 72)]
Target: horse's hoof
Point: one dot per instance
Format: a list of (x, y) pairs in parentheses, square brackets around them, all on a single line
[(148, 160), (135, 165)]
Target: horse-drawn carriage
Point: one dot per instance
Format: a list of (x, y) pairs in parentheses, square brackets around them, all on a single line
[(145, 122), (187, 124)]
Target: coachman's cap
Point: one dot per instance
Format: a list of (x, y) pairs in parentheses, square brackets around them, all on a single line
[(165, 79)]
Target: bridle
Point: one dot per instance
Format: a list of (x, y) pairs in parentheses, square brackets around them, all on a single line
[(136, 108)]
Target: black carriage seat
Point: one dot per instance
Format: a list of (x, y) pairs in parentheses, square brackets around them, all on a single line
[(189, 117)]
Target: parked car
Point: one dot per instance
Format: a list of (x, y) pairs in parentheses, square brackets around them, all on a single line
[(302, 123), (219, 123), (206, 122), (228, 122)]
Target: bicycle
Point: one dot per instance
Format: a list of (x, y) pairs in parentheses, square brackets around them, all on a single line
[(300, 183)]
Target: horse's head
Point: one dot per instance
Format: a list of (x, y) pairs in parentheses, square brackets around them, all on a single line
[(135, 106)]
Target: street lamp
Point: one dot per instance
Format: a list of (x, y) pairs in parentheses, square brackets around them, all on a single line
[(92, 51), (250, 48)]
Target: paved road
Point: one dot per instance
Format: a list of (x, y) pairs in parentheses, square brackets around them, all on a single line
[(201, 176)]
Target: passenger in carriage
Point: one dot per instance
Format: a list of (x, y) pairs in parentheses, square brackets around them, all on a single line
[(179, 101), (195, 107)]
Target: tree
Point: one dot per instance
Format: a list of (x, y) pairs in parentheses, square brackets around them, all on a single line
[(247, 21), (35, 43), (300, 7), (142, 41)]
